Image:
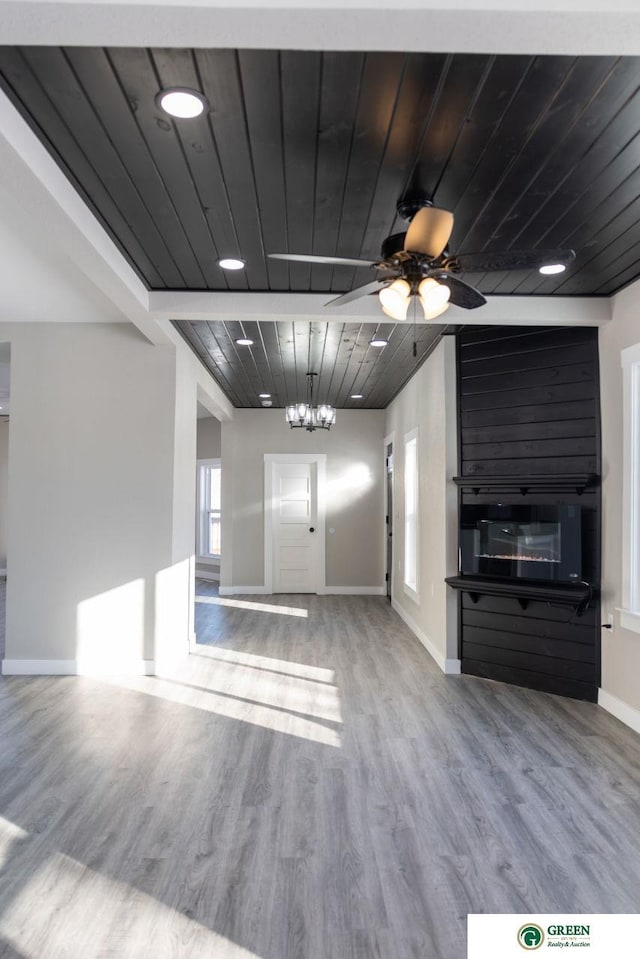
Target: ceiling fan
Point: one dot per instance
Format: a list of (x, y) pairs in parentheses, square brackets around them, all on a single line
[(418, 263)]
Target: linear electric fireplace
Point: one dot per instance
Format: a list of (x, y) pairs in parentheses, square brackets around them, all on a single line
[(523, 541)]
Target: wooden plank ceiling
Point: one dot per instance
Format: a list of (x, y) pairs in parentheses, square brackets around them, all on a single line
[(339, 354), (309, 152)]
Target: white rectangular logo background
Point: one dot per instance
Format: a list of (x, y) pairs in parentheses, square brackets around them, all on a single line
[(517, 936)]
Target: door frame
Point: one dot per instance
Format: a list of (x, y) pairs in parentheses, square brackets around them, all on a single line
[(271, 460), (389, 440)]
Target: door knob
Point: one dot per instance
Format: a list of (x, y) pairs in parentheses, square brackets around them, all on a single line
[(312, 529)]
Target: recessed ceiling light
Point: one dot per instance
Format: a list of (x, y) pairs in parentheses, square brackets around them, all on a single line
[(378, 342), (264, 396), (244, 341), (181, 102), (357, 396), (552, 268), (231, 263)]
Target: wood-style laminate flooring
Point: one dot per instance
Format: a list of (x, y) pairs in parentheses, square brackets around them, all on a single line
[(308, 786)]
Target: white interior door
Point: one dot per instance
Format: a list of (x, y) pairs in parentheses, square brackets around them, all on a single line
[(294, 527)]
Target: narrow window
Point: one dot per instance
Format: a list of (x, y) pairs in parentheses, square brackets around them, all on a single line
[(209, 485), (411, 513)]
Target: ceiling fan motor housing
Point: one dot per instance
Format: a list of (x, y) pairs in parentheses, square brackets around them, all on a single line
[(392, 246), (409, 205)]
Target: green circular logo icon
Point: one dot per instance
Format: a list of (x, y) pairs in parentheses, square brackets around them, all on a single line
[(530, 936)]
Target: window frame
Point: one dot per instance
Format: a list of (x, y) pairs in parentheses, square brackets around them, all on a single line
[(630, 610), (203, 497), (411, 520)]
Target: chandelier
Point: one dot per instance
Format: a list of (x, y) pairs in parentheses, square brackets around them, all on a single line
[(304, 416)]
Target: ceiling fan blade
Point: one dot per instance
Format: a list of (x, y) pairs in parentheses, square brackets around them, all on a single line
[(355, 294), (512, 260), (462, 294), (327, 260), (429, 231)]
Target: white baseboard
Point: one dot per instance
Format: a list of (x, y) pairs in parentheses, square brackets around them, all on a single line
[(243, 590), (212, 577), (451, 667), (325, 591), (71, 667), (354, 591), (628, 715)]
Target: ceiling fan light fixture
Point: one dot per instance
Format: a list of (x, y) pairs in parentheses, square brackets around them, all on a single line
[(395, 299), (430, 313), (244, 341), (434, 297), (182, 103), (550, 269), (378, 342)]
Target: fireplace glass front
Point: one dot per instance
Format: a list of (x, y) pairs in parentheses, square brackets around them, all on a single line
[(521, 541)]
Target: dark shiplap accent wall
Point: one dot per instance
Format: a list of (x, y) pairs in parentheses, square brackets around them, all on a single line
[(529, 405)]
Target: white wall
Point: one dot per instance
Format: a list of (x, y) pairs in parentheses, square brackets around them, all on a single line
[(355, 494), (620, 647), (101, 484), (209, 438), (428, 403)]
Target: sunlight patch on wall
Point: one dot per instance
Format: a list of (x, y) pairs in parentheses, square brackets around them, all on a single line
[(231, 704), (257, 607), (105, 916), (110, 631), (172, 606), (351, 484)]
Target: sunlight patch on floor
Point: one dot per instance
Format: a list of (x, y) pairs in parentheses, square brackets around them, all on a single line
[(255, 607), (232, 705), (68, 909), (318, 673), (9, 834), (293, 693)]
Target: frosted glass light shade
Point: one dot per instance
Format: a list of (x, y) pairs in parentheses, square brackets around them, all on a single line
[(395, 299), (434, 297)]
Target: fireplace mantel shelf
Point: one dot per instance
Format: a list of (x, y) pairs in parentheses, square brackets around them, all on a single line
[(577, 595), (576, 482)]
